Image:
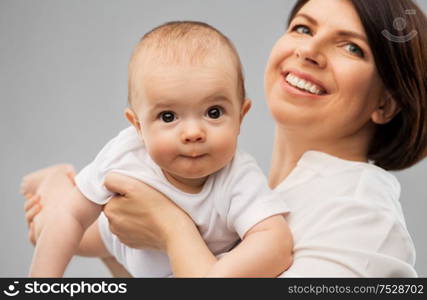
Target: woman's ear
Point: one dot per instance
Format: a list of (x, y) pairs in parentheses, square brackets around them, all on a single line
[(133, 119), (386, 110)]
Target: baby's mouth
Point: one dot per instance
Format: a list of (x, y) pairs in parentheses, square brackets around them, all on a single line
[(194, 156)]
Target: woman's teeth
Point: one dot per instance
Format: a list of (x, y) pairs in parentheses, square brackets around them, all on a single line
[(303, 84)]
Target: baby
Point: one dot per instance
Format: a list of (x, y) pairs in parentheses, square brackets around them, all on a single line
[(186, 104)]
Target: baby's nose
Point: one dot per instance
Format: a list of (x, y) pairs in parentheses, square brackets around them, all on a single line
[(193, 134)]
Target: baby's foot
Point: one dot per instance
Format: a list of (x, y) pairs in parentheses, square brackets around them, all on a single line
[(30, 183)]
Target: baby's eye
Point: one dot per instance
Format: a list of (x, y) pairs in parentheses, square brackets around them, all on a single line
[(167, 116), (354, 49), (215, 112), (302, 29)]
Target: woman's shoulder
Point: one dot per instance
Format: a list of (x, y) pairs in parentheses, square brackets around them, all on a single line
[(353, 206), (327, 164), (331, 179), (359, 178)]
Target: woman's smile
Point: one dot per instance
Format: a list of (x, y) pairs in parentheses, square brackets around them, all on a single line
[(298, 83), (305, 81)]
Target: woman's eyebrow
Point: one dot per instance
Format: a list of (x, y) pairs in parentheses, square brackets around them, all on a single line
[(344, 33), (309, 18)]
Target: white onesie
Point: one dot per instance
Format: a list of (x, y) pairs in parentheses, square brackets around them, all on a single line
[(231, 201)]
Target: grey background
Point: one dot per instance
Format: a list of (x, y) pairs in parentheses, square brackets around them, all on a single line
[(63, 89)]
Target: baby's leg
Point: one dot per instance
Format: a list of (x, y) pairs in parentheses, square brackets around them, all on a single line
[(92, 245), (50, 185), (116, 269), (53, 184), (45, 188), (31, 183)]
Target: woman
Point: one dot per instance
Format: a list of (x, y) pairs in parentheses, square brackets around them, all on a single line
[(342, 95)]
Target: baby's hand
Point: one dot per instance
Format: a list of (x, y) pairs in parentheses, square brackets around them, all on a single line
[(32, 208)]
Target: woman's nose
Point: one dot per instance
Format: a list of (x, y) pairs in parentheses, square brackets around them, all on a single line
[(193, 133), (310, 54)]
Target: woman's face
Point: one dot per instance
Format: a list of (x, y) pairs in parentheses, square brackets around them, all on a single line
[(321, 77)]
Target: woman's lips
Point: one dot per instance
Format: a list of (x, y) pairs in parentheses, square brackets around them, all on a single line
[(304, 82), (309, 88)]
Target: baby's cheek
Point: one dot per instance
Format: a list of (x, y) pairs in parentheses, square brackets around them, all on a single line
[(225, 144), (162, 151)]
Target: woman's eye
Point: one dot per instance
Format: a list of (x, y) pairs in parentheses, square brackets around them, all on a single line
[(302, 29), (167, 116), (354, 49), (215, 112)]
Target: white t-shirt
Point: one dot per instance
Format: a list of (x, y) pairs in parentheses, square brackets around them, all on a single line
[(346, 220), (231, 201)]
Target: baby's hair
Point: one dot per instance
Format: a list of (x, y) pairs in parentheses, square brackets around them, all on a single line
[(188, 42)]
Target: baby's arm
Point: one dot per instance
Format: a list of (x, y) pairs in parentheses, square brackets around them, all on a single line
[(61, 234), (265, 251)]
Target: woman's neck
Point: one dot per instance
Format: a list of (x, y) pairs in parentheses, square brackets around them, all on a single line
[(289, 146), (284, 158)]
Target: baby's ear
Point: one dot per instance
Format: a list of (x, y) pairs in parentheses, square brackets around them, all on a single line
[(246, 106), (133, 119), (386, 110)]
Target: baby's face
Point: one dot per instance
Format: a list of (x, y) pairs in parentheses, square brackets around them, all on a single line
[(190, 117)]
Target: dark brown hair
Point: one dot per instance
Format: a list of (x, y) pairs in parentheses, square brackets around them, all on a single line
[(401, 60), (189, 42)]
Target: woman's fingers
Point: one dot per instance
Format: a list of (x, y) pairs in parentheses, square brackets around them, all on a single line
[(118, 183), (141, 216)]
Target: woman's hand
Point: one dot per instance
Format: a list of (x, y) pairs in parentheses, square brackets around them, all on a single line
[(141, 216)]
